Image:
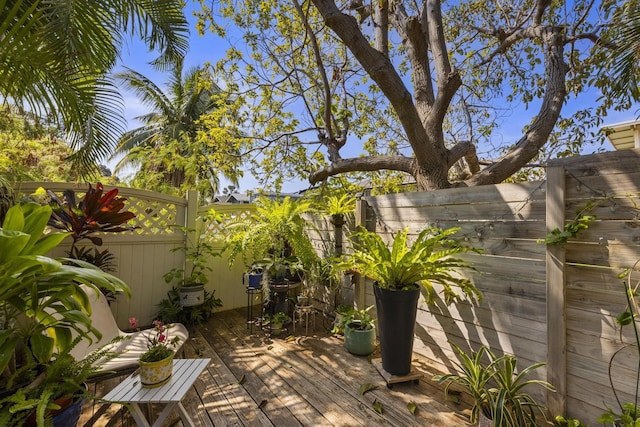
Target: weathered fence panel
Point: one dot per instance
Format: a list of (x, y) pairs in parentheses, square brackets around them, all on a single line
[(550, 303), (608, 185)]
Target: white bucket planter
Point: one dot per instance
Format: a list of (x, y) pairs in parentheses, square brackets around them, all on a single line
[(191, 295)]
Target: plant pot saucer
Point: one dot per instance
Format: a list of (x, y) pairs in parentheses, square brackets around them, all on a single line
[(413, 376)]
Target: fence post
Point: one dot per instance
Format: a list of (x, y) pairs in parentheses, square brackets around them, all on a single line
[(556, 292), (190, 222), (361, 220)]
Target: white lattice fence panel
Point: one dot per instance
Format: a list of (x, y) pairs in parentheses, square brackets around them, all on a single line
[(156, 213), (153, 217), (229, 213)]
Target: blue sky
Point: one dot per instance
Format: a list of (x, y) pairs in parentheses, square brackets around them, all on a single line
[(210, 48)]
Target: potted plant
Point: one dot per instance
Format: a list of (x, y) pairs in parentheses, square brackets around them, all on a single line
[(58, 393), (277, 322), (275, 235), (156, 364), (496, 387), (32, 288), (398, 273), (342, 312), (359, 332), (172, 311), (199, 250), (337, 206), (254, 276)]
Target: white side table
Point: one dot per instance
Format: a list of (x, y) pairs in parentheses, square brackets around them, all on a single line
[(131, 392)]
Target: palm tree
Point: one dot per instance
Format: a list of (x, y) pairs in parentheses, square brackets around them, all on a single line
[(55, 57), (625, 60), (165, 148)]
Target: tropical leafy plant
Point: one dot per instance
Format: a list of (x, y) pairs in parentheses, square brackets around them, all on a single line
[(198, 254), (180, 145), (57, 61), (95, 213), (171, 311), (497, 387), (357, 319), (276, 231), (34, 285), (277, 320), (428, 260), (45, 294), (339, 204), (60, 382)]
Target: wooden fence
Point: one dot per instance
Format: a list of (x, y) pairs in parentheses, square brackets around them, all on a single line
[(544, 303)]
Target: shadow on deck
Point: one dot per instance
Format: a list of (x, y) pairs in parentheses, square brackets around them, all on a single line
[(293, 380)]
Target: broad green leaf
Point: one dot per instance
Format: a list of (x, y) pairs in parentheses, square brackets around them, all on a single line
[(364, 388)]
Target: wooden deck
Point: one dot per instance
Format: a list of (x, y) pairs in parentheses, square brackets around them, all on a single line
[(295, 380)]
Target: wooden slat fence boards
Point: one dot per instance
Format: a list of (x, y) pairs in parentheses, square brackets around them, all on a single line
[(505, 221), (555, 303), (609, 182)]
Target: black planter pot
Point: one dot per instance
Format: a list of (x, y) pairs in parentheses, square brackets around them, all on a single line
[(396, 325)]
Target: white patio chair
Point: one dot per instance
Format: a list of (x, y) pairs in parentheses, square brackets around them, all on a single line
[(131, 348)]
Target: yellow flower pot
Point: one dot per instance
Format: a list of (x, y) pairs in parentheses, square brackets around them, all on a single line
[(155, 374)]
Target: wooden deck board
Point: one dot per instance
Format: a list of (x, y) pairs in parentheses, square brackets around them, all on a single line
[(256, 380)]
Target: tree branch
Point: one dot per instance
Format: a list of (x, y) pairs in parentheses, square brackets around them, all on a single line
[(363, 164), (381, 26), (555, 93), (382, 71)]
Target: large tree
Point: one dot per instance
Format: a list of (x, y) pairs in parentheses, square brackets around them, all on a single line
[(421, 85), (55, 57)]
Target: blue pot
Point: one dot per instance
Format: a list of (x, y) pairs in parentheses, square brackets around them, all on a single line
[(70, 415), (254, 280)]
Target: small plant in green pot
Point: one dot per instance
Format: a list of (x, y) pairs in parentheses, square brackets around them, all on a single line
[(398, 271), (360, 332), (277, 322), (497, 388), (342, 312)]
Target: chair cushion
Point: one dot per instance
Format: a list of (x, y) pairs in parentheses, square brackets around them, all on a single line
[(132, 347)]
